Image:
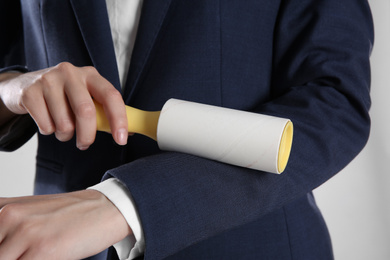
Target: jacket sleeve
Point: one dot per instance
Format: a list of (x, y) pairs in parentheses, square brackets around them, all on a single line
[(19, 130), (321, 79), (11, 29)]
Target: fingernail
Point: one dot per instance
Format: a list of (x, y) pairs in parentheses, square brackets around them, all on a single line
[(122, 135)]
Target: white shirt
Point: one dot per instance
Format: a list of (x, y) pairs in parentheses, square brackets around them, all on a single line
[(133, 245), (124, 18)]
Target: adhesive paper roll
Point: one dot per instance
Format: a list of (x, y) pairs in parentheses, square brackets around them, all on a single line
[(231, 136)]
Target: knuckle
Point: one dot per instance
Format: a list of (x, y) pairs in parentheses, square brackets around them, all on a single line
[(112, 93), (64, 66), (90, 70), (46, 128), (64, 134), (85, 110), (9, 214), (65, 126), (45, 79)]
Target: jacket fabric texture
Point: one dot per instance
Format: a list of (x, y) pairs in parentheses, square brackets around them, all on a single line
[(306, 60)]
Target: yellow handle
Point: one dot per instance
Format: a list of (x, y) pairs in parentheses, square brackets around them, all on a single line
[(139, 121), (285, 146)]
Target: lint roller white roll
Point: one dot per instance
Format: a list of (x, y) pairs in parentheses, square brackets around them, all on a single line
[(230, 136)]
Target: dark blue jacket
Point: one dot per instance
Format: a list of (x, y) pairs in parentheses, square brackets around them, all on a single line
[(307, 60)]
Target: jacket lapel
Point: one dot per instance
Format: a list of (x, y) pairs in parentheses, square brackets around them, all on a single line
[(94, 25), (153, 14)]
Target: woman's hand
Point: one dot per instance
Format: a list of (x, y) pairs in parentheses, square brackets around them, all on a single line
[(59, 99), (64, 226)]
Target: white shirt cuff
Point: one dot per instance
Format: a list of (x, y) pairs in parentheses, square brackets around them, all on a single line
[(133, 245)]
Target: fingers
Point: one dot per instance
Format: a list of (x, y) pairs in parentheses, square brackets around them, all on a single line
[(44, 99), (60, 112), (113, 105), (85, 116), (77, 106), (81, 86), (59, 99), (35, 104)]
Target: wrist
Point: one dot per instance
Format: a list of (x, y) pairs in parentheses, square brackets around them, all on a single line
[(117, 222), (5, 114), (134, 244)]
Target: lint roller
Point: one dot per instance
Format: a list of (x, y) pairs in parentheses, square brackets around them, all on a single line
[(236, 137)]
